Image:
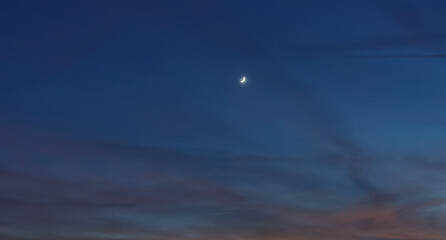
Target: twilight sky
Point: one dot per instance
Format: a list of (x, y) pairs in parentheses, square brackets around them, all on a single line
[(125, 120)]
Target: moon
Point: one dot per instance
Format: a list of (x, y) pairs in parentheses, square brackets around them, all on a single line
[(243, 80)]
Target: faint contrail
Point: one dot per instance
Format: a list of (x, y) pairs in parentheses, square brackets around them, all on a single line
[(397, 56)]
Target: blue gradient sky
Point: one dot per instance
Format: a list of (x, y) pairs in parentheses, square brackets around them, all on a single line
[(125, 120)]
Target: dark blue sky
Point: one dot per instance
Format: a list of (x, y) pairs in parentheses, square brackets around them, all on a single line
[(126, 120)]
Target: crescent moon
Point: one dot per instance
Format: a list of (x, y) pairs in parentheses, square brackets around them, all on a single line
[(243, 80)]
